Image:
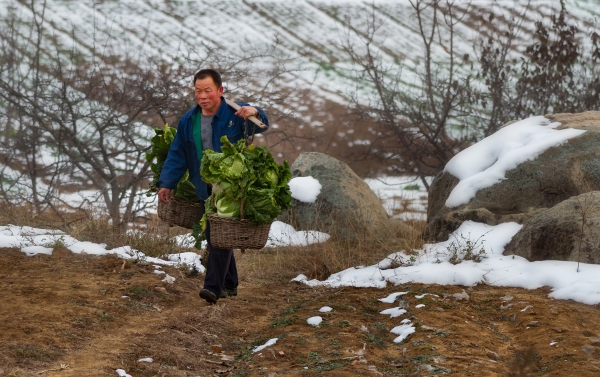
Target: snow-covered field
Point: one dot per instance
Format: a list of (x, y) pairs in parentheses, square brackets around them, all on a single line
[(311, 31)]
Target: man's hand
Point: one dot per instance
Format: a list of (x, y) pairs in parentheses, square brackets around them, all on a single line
[(164, 194), (246, 112)]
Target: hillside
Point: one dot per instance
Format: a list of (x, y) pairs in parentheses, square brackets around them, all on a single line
[(303, 40)]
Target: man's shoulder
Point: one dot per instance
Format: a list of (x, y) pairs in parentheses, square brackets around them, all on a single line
[(225, 110)]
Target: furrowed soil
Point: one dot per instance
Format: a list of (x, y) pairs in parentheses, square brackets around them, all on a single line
[(77, 315)]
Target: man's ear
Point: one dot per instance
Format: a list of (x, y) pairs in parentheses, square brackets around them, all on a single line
[(221, 90)]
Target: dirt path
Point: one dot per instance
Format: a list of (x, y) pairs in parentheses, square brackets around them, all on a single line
[(68, 310)]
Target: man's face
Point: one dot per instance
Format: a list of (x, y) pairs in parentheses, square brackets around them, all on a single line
[(208, 95)]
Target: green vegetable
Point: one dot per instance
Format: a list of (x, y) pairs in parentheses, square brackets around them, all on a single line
[(159, 150), (228, 208), (245, 177)]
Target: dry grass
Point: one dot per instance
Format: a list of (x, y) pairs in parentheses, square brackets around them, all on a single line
[(181, 342), (152, 238), (317, 261), (524, 363)]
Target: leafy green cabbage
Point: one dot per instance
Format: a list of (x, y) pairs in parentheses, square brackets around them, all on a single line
[(159, 150), (228, 208), (245, 175)]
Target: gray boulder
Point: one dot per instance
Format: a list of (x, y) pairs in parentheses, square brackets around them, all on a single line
[(568, 231), (346, 207), (558, 174)]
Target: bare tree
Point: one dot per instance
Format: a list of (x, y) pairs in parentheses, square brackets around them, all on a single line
[(457, 97), (84, 118), (421, 125), (77, 122), (556, 72)]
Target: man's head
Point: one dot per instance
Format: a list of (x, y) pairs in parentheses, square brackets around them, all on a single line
[(208, 89), (204, 73)]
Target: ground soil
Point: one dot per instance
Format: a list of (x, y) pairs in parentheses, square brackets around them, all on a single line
[(66, 315)]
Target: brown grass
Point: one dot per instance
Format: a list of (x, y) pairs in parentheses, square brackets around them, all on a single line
[(319, 261), (316, 261)]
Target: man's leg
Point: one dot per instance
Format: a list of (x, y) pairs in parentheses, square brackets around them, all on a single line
[(217, 269), (231, 280)]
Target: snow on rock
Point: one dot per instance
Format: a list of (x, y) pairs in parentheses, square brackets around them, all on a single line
[(305, 189), (486, 162)]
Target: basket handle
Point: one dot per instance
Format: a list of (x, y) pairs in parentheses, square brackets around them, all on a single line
[(171, 209)]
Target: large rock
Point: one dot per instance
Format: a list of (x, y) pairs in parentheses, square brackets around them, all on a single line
[(556, 175), (346, 207), (568, 231)]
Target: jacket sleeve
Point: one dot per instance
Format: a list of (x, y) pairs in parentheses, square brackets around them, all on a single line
[(252, 127), (175, 165)]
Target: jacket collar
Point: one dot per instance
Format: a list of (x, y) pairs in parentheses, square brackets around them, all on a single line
[(222, 112)]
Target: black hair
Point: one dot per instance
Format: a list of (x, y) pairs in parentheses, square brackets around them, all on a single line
[(204, 73)]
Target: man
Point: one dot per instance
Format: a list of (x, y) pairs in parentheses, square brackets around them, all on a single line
[(200, 129)]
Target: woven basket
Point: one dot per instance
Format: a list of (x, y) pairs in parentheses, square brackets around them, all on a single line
[(181, 213), (234, 233)]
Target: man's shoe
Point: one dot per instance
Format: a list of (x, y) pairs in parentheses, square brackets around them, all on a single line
[(208, 296), (228, 292)]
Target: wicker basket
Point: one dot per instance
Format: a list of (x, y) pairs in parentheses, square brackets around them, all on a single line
[(234, 233), (181, 213)]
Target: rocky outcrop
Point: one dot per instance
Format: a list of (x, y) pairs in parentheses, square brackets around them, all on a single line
[(568, 231), (558, 174), (346, 207)]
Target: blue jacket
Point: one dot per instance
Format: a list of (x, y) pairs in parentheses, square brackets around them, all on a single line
[(183, 155)]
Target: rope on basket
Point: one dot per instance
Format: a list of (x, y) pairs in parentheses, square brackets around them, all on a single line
[(246, 137)]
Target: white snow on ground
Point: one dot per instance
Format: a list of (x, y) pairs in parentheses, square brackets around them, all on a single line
[(269, 343), (404, 198), (403, 331), (35, 241), (280, 234), (391, 298), (43, 241), (314, 321), (393, 312), (432, 267)]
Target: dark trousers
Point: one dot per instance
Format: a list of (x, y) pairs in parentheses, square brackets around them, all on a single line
[(220, 268)]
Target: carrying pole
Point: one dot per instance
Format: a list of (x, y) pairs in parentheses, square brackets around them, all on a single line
[(252, 118)]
